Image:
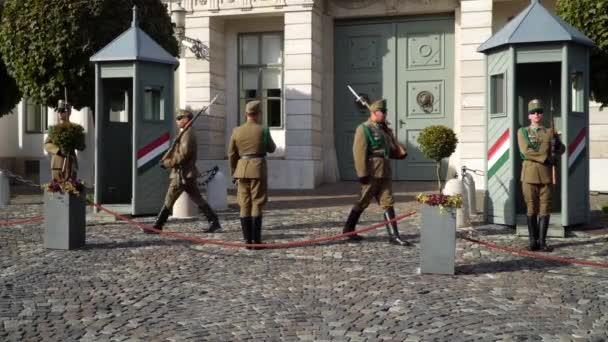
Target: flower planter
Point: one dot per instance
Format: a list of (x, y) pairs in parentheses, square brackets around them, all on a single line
[(437, 240), (64, 220)]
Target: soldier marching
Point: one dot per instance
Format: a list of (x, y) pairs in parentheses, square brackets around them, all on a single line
[(539, 155), (374, 144), (182, 163)]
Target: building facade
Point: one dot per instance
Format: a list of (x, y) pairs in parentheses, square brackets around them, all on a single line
[(297, 56)]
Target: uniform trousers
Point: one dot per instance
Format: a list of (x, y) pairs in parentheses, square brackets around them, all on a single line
[(538, 198), (191, 188), (380, 189), (252, 195)]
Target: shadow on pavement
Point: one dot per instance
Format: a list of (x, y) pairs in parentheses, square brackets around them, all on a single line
[(135, 244), (507, 266)]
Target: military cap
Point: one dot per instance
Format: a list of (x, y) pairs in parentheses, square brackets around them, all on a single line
[(535, 105), (252, 107), (183, 112), (378, 105), (63, 106)]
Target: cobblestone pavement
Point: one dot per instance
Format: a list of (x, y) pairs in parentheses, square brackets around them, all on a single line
[(129, 286)]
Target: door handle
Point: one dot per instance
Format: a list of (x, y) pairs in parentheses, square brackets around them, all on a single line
[(401, 123)]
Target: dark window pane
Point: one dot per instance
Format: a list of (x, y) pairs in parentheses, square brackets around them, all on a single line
[(251, 93), (152, 105), (273, 110), (273, 92), (498, 104), (33, 117)]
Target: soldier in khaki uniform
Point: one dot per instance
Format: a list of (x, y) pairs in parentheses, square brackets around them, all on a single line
[(64, 164), (182, 163), (247, 156), (536, 175), (373, 145)]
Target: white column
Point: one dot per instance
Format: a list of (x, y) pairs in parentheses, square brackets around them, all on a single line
[(303, 77), (474, 18)]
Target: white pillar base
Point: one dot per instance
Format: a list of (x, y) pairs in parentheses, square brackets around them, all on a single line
[(183, 207)]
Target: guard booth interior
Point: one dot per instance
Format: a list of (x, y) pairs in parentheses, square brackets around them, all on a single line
[(133, 128), (537, 55)]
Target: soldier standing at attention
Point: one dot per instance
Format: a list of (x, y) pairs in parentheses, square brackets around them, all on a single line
[(247, 156), (373, 145), (64, 164), (182, 163), (535, 150)]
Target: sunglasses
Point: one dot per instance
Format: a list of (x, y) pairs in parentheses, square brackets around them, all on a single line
[(177, 118), (537, 113)]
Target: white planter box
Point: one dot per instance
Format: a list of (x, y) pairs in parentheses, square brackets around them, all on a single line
[(64, 220), (437, 240)]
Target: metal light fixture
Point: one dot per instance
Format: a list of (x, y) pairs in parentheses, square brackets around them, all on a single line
[(178, 18)]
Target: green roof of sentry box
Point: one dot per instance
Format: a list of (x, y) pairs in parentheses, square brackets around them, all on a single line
[(535, 25), (134, 45)]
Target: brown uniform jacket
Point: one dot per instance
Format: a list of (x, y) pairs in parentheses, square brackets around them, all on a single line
[(365, 163), (71, 164), (184, 156), (534, 170), (248, 139)]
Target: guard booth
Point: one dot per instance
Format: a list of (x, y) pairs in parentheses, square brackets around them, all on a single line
[(133, 121), (537, 55)]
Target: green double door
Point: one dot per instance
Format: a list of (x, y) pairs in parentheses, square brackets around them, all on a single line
[(408, 62)]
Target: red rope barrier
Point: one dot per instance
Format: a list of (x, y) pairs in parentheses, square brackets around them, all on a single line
[(537, 255), (25, 220), (258, 245)]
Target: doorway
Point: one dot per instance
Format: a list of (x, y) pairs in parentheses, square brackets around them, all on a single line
[(116, 148), (409, 62), (538, 81)]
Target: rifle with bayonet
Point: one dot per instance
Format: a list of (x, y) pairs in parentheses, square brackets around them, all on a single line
[(555, 144), (398, 151), (171, 150)]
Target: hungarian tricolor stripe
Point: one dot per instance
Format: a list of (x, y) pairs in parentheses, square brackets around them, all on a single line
[(576, 148), (150, 154), (498, 154)]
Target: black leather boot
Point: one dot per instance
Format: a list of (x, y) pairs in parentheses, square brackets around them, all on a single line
[(247, 231), (351, 223), (533, 233), (542, 238), (214, 222), (393, 229), (257, 231), (161, 219)]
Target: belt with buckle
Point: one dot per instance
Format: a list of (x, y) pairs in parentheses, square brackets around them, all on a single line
[(253, 156)]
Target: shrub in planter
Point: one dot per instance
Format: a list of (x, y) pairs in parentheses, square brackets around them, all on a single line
[(437, 143)]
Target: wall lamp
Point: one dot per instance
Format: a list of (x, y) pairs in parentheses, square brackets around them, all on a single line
[(178, 18)]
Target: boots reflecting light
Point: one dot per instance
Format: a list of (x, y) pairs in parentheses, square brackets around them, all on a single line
[(543, 229), (161, 219), (393, 229), (351, 223), (532, 233)]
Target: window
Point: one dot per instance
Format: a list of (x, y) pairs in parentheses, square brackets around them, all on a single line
[(118, 106), (154, 104), (35, 117), (261, 74), (498, 94), (577, 92)]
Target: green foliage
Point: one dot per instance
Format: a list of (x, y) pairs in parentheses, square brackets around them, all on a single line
[(605, 208), (591, 18), (67, 136), (437, 142), (9, 95), (46, 45)]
